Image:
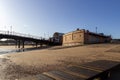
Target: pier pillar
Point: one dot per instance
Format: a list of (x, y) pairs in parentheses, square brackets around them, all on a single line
[(36, 44), (41, 44), (23, 44), (16, 43), (19, 44)]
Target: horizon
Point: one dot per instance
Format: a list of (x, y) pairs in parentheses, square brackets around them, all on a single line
[(44, 17)]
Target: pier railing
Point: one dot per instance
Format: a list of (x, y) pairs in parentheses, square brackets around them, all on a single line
[(20, 34)]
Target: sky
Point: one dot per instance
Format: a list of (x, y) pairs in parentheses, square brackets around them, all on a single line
[(44, 17)]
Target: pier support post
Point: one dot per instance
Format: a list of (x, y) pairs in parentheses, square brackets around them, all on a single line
[(23, 44), (16, 43), (19, 44), (36, 44), (41, 44)]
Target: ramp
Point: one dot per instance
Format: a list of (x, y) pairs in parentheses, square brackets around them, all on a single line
[(96, 70)]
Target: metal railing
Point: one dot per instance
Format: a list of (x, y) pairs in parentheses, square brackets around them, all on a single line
[(20, 34)]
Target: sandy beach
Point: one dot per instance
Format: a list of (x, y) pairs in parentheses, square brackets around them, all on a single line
[(14, 47), (25, 65)]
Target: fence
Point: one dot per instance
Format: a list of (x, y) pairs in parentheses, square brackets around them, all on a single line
[(20, 34)]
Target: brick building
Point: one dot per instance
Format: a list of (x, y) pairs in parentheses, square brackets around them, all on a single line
[(80, 37)]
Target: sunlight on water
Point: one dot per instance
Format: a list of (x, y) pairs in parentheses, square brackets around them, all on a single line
[(2, 51), (1, 56)]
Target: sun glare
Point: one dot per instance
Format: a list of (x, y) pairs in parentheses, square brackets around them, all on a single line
[(3, 17)]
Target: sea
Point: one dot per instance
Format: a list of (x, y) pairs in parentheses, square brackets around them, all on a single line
[(6, 51), (9, 51)]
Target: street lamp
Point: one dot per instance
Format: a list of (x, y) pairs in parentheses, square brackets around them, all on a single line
[(96, 29), (11, 29)]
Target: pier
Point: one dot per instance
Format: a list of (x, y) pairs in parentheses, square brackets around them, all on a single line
[(20, 38)]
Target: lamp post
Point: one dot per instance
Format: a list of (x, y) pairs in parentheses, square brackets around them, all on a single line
[(11, 29), (44, 35), (96, 29)]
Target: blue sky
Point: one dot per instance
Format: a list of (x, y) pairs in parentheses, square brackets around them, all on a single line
[(39, 17)]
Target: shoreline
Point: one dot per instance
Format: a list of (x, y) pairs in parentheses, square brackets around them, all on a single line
[(11, 50)]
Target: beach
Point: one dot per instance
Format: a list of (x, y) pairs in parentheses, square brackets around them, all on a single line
[(26, 65)]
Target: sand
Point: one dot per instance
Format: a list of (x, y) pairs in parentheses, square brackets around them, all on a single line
[(14, 47), (26, 65)]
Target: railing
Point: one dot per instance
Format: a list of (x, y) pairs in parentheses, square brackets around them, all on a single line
[(20, 34)]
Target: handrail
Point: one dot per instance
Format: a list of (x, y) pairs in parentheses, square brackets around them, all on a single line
[(20, 34)]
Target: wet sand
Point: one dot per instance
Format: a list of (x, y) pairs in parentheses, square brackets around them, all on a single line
[(13, 47), (25, 65)]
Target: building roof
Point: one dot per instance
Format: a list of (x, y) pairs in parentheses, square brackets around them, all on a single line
[(92, 33), (58, 34)]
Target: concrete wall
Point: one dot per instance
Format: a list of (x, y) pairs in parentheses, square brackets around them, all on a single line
[(89, 38), (73, 38)]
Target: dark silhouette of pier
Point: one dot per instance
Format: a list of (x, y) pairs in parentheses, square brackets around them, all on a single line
[(20, 38)]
